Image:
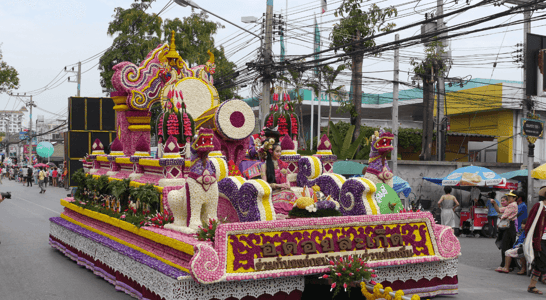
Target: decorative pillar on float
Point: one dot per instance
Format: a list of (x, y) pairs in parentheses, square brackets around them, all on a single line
[(142, 150), (116, 150), (172, 163), (98, 152), (290, 156), (324, 152)]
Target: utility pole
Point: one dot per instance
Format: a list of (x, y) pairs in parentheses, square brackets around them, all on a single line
[(394, 155), (78, 77), (319, 83), (528, 148), (29, 141), (266, 93), (440, 85)]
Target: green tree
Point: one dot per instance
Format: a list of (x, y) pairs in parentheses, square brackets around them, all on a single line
[(356, 25), (136, 34), (194, 36), (9, 77)]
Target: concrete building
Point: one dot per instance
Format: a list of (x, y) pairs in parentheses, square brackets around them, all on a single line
[(11, 121), (48, 125)]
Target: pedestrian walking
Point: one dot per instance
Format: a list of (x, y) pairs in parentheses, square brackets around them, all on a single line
[(35, 175), (534, 246), (507, 224), (65, 178), (492, 214), (22, 174), (29, 177), (55, 175), (4, 172), (1, 169), (516, 252), (41, 178), (447, 204), (45, 176)]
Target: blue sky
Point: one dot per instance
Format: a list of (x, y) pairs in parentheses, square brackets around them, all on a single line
[(39, 38)]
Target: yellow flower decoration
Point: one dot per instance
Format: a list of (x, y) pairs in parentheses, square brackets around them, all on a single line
[(303, 202)]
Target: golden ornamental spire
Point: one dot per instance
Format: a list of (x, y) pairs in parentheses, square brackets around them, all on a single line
[(211, 56), (172, 54)]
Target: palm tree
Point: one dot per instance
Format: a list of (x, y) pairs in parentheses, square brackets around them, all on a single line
[(329, 75)]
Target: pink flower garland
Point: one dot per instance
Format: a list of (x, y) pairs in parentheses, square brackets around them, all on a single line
[(172, 125), (160, 126), (187, 125), (269, 122), (283, 126), (294, 123)]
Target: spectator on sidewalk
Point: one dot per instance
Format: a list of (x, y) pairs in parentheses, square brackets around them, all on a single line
[(50, 174), (509, 213), (522, 207), (23, 174), (516, 252), (35, 174), (492, 214), (29, 177)]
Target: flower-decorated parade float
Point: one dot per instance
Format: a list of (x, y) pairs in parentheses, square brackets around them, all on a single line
[(201, 220)]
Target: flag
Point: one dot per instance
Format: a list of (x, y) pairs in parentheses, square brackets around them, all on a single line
[(316, 44), (323, 4)]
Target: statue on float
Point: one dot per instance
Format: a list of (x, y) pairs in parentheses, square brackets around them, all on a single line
[(378, 170), (197, 202)]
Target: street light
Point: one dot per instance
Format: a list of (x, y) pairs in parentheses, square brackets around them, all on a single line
[(186, 3), (249, 19)]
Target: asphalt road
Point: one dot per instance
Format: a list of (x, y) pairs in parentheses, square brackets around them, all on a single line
[(31, 269)]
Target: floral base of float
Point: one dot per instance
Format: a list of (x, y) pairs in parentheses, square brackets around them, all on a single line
[(144, 278), (408, 251)]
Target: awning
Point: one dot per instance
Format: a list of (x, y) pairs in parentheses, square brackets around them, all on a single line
[(400, 185), (518, 175)]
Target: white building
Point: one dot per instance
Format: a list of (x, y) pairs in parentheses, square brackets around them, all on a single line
[(51, 126), (12, 120)]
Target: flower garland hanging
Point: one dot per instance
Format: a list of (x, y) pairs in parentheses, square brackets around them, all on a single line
[(187, 125), (294, 123), (270, 121), (283, 126), (172, 125), (160, 126)]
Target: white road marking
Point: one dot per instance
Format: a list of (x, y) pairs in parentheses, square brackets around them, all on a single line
[(19, 198)]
